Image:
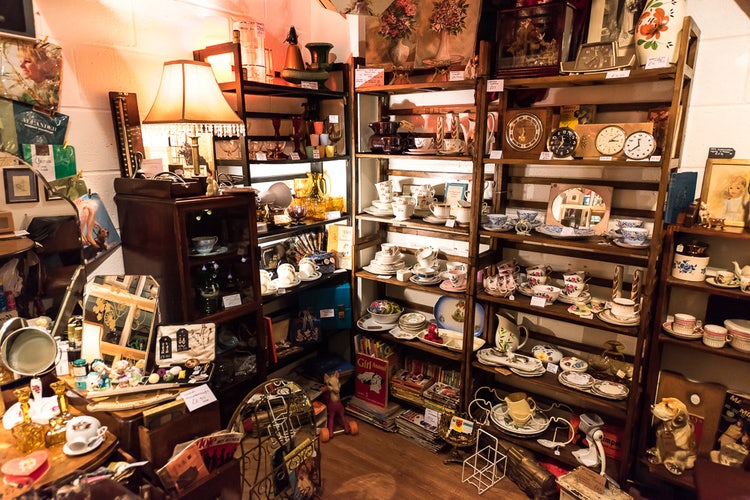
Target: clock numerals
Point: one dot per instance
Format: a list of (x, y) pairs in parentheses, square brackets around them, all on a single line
[(610, 140), (524, 132), (639, 145), (562, 142)]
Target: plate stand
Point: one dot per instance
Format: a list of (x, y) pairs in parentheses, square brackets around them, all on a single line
[(487, 465)]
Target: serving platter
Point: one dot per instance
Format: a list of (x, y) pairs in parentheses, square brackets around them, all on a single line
[(537, 424), (449, 314)]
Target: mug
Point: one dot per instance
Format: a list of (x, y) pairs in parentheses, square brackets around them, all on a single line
[(463, 214), (725, 277), (307, 267), (685, 324), (83, 432), (715, 336), (520, 408), (623, 308), (440, 210), (385, 191)]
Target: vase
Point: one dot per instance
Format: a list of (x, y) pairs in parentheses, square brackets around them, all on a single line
[(657, 33), (399, 53), (443, 56)]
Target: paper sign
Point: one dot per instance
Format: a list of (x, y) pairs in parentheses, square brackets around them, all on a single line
[(231, 300), (655, 158), (310, 85), (605, 158), (316, 154), (495, 85), (326, 313), (456, 76), (657, 62), (552, 368), (294, 155), (198, 397), (333, 214), (432, 417), (461, 425), (496, 154), (260, 156), (333, 118), (546, 155), (623, 73), (42, 160), (450, 223), (538, 301), (365, 77)]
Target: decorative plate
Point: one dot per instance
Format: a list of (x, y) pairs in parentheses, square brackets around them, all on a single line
[(91, 447), (667, 327), (610, 390), (585, 311), (367, 322), (536, 425), (449, 314), (712, 281), (412, 318), (403, 334), (528, 374), (576, 380), (571, 363), (564, 232)]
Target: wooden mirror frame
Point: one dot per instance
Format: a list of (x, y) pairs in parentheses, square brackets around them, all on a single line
[(605, 192)]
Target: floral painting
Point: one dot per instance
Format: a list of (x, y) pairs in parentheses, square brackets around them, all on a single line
[(422, 34)]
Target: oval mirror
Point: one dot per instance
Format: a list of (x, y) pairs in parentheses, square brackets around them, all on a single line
[(578, 206)]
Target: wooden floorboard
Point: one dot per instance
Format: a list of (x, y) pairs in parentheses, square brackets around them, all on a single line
[(380, 465)]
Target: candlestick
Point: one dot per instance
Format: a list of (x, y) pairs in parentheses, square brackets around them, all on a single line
[(617, 282), (635, 289), (440, 133)]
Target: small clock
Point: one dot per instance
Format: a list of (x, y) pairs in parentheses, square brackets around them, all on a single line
[(524, 131), (598, 56), (610, 140), (562, 142), (639, 145)]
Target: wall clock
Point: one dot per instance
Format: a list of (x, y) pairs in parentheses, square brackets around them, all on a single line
[(562, 142), (639, 145), (524, 131), (610, 140), (588, 133)]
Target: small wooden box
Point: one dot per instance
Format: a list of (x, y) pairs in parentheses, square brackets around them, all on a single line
[(6, 221)]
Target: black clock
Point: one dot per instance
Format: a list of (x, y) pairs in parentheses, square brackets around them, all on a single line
[(562, 142)]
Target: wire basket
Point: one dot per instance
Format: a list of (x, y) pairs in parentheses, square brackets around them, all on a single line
[(487, 465)]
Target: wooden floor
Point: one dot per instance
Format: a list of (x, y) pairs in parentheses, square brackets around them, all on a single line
[(381, 465)]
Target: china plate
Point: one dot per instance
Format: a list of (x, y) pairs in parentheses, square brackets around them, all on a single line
[(452, 340), (667, 327), (412, 319), (449, 314), (576, 380), (377, 212), (607, 317), (564, 232), (610, 390), (537, 424), (498, 229), (426, 281), (573, 364), (397, 332), (584, 312), (367, 322), (314, 276), (278, 284), (431, 219), (218, 251), (91, 447), (446, 285), (528, 374), (421, 151), (621, 243), (712, 281)]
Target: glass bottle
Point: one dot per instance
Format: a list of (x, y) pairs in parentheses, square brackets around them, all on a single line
[(29, 435)]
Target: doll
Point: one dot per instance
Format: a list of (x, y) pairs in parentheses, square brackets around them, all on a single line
[(736, 199)]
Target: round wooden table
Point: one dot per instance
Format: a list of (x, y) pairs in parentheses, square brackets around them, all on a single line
[(14, 246)]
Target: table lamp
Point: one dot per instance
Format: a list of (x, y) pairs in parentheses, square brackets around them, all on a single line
[(189, 101)]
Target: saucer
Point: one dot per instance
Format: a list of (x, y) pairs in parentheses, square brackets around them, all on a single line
[(667, 327), (314, 276), (426, 281), (377, 211), (574, 310), (421, 151), (529, 374), (607, 316), (584, 296), (499, 229), (431, 219), (577, 380), (88, 449), (610, 390), (712, 281), (446, 285), (445, 152), (278, 284), (217, 251), (573, 364), (620, 242)]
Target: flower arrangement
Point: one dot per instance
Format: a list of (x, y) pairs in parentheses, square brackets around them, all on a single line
[(449, 15), (397, 21)]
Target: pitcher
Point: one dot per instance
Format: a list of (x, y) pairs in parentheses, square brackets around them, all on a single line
[(507, 335), (520, 408)]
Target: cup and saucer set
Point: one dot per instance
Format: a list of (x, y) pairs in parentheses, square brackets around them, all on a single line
[(622, 312), (440, 213), (526, 220), (498, 223), (630, 233), (454, 277), (427, 269), (387, 261)]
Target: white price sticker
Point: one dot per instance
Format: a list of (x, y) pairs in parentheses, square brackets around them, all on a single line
[(326, 313), (655, 158), (316, 154), (657, 62), (496, 154), (198, 397), (546, 155), (333, 118), (622, 73), (495, 85), (605, 158), (294, 155), (310, 85), (450, 223), (552, 368), (456, 76), (260, 156), (369, 77), (333, 214), (231, 300), (538, 301), (432, 417)]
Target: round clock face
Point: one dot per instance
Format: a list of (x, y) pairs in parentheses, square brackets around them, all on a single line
[(524, 131), (562, 142), (610, 140), (639, 145)]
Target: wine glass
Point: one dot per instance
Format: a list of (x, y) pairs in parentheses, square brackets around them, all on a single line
[(297, 211)]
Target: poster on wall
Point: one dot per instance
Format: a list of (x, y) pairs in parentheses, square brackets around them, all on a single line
[(30, 71)]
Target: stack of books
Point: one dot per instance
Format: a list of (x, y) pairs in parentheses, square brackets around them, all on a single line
[(409, 385), (441, 397), (412, 425), (381, 417)]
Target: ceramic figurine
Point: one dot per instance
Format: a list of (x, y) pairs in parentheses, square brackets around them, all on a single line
[(676, 447), (335, 407)]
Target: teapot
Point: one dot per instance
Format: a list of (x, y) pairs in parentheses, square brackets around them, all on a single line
[(507, 335), (744, 271)]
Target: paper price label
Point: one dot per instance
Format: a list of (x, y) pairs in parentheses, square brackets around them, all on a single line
[(450, 223), (496, 154), (456, 76), (231, 300), (538, 301), (623, 73), (326, 313), (333, 118), (657, 62), (552, 368), (432, 417), (605, 158), (198, 397), (294, 155), (495, 85), (546, 155), (369, 77), (310, 85), (316, 154), (260, 156)]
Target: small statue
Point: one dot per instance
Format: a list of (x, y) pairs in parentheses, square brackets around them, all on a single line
[(335, 407), (676, 447)]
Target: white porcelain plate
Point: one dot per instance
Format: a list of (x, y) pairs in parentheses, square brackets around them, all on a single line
[(217, 251), (563, 232), (667, 327), (367, 322), (314, 276), (610, 390), (576, 380), (397, 332), (608, 317), (431, 219), (536, 425)]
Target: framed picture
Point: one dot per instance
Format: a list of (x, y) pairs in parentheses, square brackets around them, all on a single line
[(454, 192), (725, 190), (614, 21), (17, 17), (20, 185)]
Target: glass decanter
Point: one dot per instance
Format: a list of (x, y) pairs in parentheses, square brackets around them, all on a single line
[(29, 435)]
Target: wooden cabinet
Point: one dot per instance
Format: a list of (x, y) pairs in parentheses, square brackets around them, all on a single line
[(220, 287)]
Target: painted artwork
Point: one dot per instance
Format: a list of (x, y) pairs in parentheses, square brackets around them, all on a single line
[(30, 71), (725, 190), (98, 233), (422, 34)]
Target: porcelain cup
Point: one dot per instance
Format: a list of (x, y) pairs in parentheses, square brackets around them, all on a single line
[(685, 324), (497, 220), (725, 277), (624, 309), (623, 223), (463, 214), (540, 270), (307, 267), (403, 212), (286, 274), (451, 265), (536, 280), (576, 277), (527, 215), (385, 191), (426, 272), (423, 189), (634, 235), (83, 432), (715, 336), (453, 145), (423, 201), (389, 249), (441, 210), (745, 284), (520, 408), (457, 277), (571, 289), (424, 143), (204, 244)]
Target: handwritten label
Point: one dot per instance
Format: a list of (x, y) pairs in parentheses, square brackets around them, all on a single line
[(552, 368), (333, 118), (622, 73), (450, 223), (657, 62), (316, 154), (231, 300), (333, 214), (546, 155), (655, 158), (605, 158), (495, 85), (432, 417), (294, 155), (366, 77), (456, 76), (198, 397), (260, 156), (310, 85), (326, 313), (538, 301), (496, 154)]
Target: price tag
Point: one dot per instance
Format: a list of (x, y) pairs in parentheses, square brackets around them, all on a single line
[(538, 301), (310, 85), (326, 313), (568, 231), (456, 76), (657, 62), (366, 77), (497, 154), (333, 214), (622, 73), (495, 85), (198, 397), (260, 156), (384, 276), (316, 154), (546, 155), (432, 417), (281, 291), (231, 300), (260, 30), (42, 160), (605, 158), (450, 223), (333, 118), (552, 368), (294, 155)]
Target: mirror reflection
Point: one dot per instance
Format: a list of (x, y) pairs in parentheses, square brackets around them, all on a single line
[(579, 206)]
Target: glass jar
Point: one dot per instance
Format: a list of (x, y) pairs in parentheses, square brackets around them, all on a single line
[(252, 36)]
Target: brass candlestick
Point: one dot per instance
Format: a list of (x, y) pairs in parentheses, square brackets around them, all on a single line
[(29, 435)]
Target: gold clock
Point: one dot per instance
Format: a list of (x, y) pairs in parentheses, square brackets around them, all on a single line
[(524, 131)]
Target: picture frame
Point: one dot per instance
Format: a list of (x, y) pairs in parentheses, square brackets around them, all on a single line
[(615, 21), (20, 185), (725, 190), (455, 192), (17, 18), (579, 206)]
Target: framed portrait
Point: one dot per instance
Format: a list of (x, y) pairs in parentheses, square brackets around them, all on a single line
[(614, 21), (454, 192), (20, 185), (725, 190)]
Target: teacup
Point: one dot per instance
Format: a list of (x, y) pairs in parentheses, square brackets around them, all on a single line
[(423, 201), (457, 277), (453, 145), (571, 289), (403, 211), (425, 272), (623, 223), (440, 210), (286, 273), (725, 277), (576, 277), (390, 249), (527, 215), (427, 253), (307, 267), (745, 284), (451, 265), (463, 214), (539, 270), (204, 244), (624, 309), (634, 235), (385, 191), (715, 336), (423, 189), (83, 432), (536, 280), (548, 292), (497, 220), (685, 324), (424, 143)]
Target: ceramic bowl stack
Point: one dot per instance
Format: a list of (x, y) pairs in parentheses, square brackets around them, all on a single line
[(386, 264), (410, 325)]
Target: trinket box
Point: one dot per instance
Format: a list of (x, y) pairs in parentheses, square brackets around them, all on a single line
[(184, 354)]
